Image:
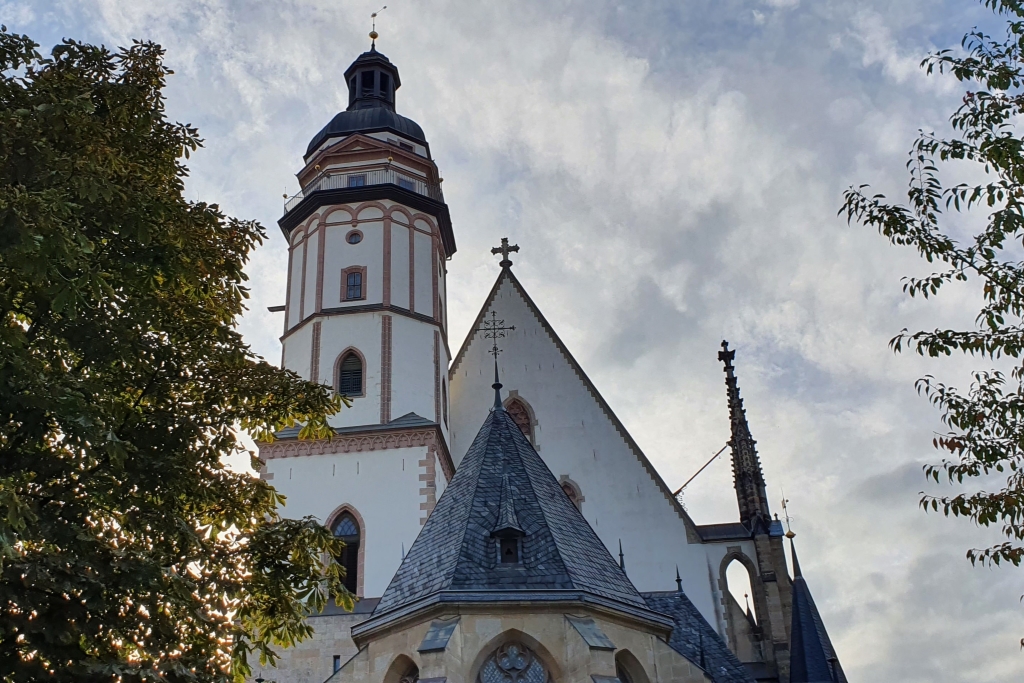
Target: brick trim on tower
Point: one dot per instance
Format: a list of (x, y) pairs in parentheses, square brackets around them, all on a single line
[(412, 270), (385, 369), (428, 477), (387, 261), (437, 376), (314, 356), (302, 278), (321, 246), (434, 276)]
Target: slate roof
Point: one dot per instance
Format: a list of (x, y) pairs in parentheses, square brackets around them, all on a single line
[(456, 551), (812, 658), (366, 121), (691, 634)]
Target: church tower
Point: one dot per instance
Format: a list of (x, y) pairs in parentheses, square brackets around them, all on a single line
[(365, 312)]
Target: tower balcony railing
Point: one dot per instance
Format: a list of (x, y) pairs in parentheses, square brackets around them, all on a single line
[(338, 180)]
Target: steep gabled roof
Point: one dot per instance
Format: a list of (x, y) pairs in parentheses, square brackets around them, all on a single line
[(812, 657), (693, 638), (507, 275), (503, 486)]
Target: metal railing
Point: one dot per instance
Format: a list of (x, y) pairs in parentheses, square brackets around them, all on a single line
[(352, 179)]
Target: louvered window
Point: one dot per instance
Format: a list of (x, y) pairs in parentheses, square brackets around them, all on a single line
[(350, 376)]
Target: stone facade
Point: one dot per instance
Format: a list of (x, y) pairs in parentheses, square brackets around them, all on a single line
[(638, 647), (312, 660)]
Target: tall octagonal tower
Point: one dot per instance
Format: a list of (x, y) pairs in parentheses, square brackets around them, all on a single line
[(365, 312)]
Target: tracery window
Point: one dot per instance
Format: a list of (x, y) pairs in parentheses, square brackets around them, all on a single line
[(350, 375), (347, 529), (411, 676), (513, 663), (520, 415)]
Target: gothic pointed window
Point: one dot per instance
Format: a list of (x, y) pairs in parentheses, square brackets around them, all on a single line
[(350, 375), (519, 413), (347, 529), (513, 663)]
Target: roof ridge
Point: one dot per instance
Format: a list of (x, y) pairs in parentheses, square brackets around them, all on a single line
[(476, 324), (570, 569), (463, 542)]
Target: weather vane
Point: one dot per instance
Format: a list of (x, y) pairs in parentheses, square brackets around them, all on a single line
[(785, 511), (494, 329), (505, 250), (373, 29)]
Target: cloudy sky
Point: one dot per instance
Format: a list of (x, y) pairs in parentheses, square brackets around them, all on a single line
[(672, 171)]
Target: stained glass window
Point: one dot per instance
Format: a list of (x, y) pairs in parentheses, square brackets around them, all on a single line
[(513, 663)]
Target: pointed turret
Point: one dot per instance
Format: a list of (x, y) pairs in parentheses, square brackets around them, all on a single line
[(746, 466), (812, 657), (504, 524)]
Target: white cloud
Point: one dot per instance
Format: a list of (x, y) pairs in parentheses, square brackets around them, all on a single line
[(672, 174)]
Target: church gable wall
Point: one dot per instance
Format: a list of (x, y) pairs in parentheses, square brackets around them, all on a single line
[(578, 440)]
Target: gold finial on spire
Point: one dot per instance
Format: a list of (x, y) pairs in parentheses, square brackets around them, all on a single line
[(373, 29), (785, 510)]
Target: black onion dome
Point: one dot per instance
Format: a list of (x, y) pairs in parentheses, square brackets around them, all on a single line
[(372, 81), (367, 121)]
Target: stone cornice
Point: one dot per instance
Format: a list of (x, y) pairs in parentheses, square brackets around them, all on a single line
[(385, 439)]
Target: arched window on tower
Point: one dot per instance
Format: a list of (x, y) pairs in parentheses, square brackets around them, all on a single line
[(350, 375), (520, 414), (347, 529)]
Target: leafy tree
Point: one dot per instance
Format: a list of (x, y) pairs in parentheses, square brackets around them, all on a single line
[(985, 438), (128, 551)]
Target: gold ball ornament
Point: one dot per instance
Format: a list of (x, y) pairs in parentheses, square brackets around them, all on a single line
[(373, 35)]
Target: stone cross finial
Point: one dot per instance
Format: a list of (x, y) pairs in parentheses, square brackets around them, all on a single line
[(505, 250)]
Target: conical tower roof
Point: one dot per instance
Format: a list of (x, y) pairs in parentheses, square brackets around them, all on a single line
[(502, 490), (812, 657)]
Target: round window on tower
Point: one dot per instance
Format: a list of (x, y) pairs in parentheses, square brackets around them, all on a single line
[(354, 237)]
